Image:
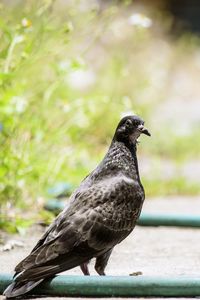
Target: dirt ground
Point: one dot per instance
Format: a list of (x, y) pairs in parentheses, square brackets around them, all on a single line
[(151, 250)]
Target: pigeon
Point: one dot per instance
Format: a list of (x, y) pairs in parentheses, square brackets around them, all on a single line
[(100, 213)]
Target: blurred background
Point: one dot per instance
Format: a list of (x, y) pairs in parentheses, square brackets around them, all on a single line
[(70, 70)]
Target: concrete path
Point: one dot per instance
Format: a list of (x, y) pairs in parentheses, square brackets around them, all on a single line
[(150, 250)]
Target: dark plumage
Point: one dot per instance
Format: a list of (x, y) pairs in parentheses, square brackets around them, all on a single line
[(100, 214)]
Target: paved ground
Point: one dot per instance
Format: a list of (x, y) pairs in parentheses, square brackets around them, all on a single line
[(151, 250)]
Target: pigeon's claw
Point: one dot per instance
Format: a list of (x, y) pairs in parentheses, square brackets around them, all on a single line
[(101, 262), (84, 268)]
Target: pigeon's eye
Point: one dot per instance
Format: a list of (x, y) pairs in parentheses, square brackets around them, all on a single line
[(128, 123)]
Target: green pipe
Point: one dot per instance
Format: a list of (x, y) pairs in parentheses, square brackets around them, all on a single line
[(169, 220), (127, 286), (61, 189), (145, 219), (55, 205)]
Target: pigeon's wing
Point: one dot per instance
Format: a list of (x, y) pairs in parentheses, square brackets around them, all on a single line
[(60, 250), (53, 231), (88, 228), (50, 234)]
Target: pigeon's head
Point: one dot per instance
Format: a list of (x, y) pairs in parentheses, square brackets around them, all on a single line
[(129, 129)]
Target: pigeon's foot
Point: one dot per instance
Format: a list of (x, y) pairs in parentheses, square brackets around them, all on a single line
[(100, 270), (101, 262), (84, 268)]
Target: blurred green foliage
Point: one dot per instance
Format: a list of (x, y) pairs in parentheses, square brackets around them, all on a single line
[(68, 72)]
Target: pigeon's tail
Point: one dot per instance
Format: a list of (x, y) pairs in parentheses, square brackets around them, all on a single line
[(19, 288)]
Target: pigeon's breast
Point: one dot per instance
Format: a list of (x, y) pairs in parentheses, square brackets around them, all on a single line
[(123, 199)]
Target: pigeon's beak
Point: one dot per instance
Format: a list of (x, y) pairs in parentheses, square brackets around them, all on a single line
[(144, 130)]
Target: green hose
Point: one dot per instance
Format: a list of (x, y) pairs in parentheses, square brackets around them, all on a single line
[(145, 219), (108, 286)]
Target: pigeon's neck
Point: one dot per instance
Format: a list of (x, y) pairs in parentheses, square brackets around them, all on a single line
[(119, 159), (128, 154)]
